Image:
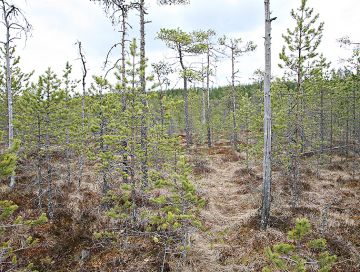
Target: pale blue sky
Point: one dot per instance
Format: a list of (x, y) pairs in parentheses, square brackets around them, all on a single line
[(58, 24)]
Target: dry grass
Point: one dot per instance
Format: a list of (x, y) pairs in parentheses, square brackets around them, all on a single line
[(232, 240)]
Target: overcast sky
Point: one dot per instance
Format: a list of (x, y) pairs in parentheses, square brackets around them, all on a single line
[(58, 24)]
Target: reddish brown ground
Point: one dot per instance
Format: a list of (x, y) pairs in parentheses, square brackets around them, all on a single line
[(231, 241)]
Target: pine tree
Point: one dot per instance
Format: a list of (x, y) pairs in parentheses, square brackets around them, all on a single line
[(20, 82), (69, 120), (184, 43), (100, 111), (236, 50), (294, 256), (167, 208), (352, 67), (317, 100), (118, 12), (8, 159), (162, 70), (299, 56), (16, 236), (14, 231), (15, 24), (211, 54), (40, 112)]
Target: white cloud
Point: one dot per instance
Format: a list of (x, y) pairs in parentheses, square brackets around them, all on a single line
[(59, 24)]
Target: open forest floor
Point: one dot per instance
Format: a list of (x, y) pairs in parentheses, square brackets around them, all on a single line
[(231, 240)]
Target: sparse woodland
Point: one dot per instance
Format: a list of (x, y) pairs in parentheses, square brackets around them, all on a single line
[(122, 172)]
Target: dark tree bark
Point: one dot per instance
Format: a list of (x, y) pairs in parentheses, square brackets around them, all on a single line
[(188, 135), (84, 71)]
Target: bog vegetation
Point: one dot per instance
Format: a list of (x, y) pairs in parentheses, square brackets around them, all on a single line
[(119, 172)]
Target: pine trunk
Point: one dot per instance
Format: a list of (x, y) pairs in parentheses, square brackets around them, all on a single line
[(144, 129), (103, 146), (186, 108), (82, 156), (67, 143), (124, 93), (48, 167), (39, 178), (203, 103), (233, 99), (266, 197), (186, 101), (9, 93), (207, 100)]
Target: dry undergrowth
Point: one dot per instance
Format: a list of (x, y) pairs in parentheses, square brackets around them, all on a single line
[(231, 241)]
